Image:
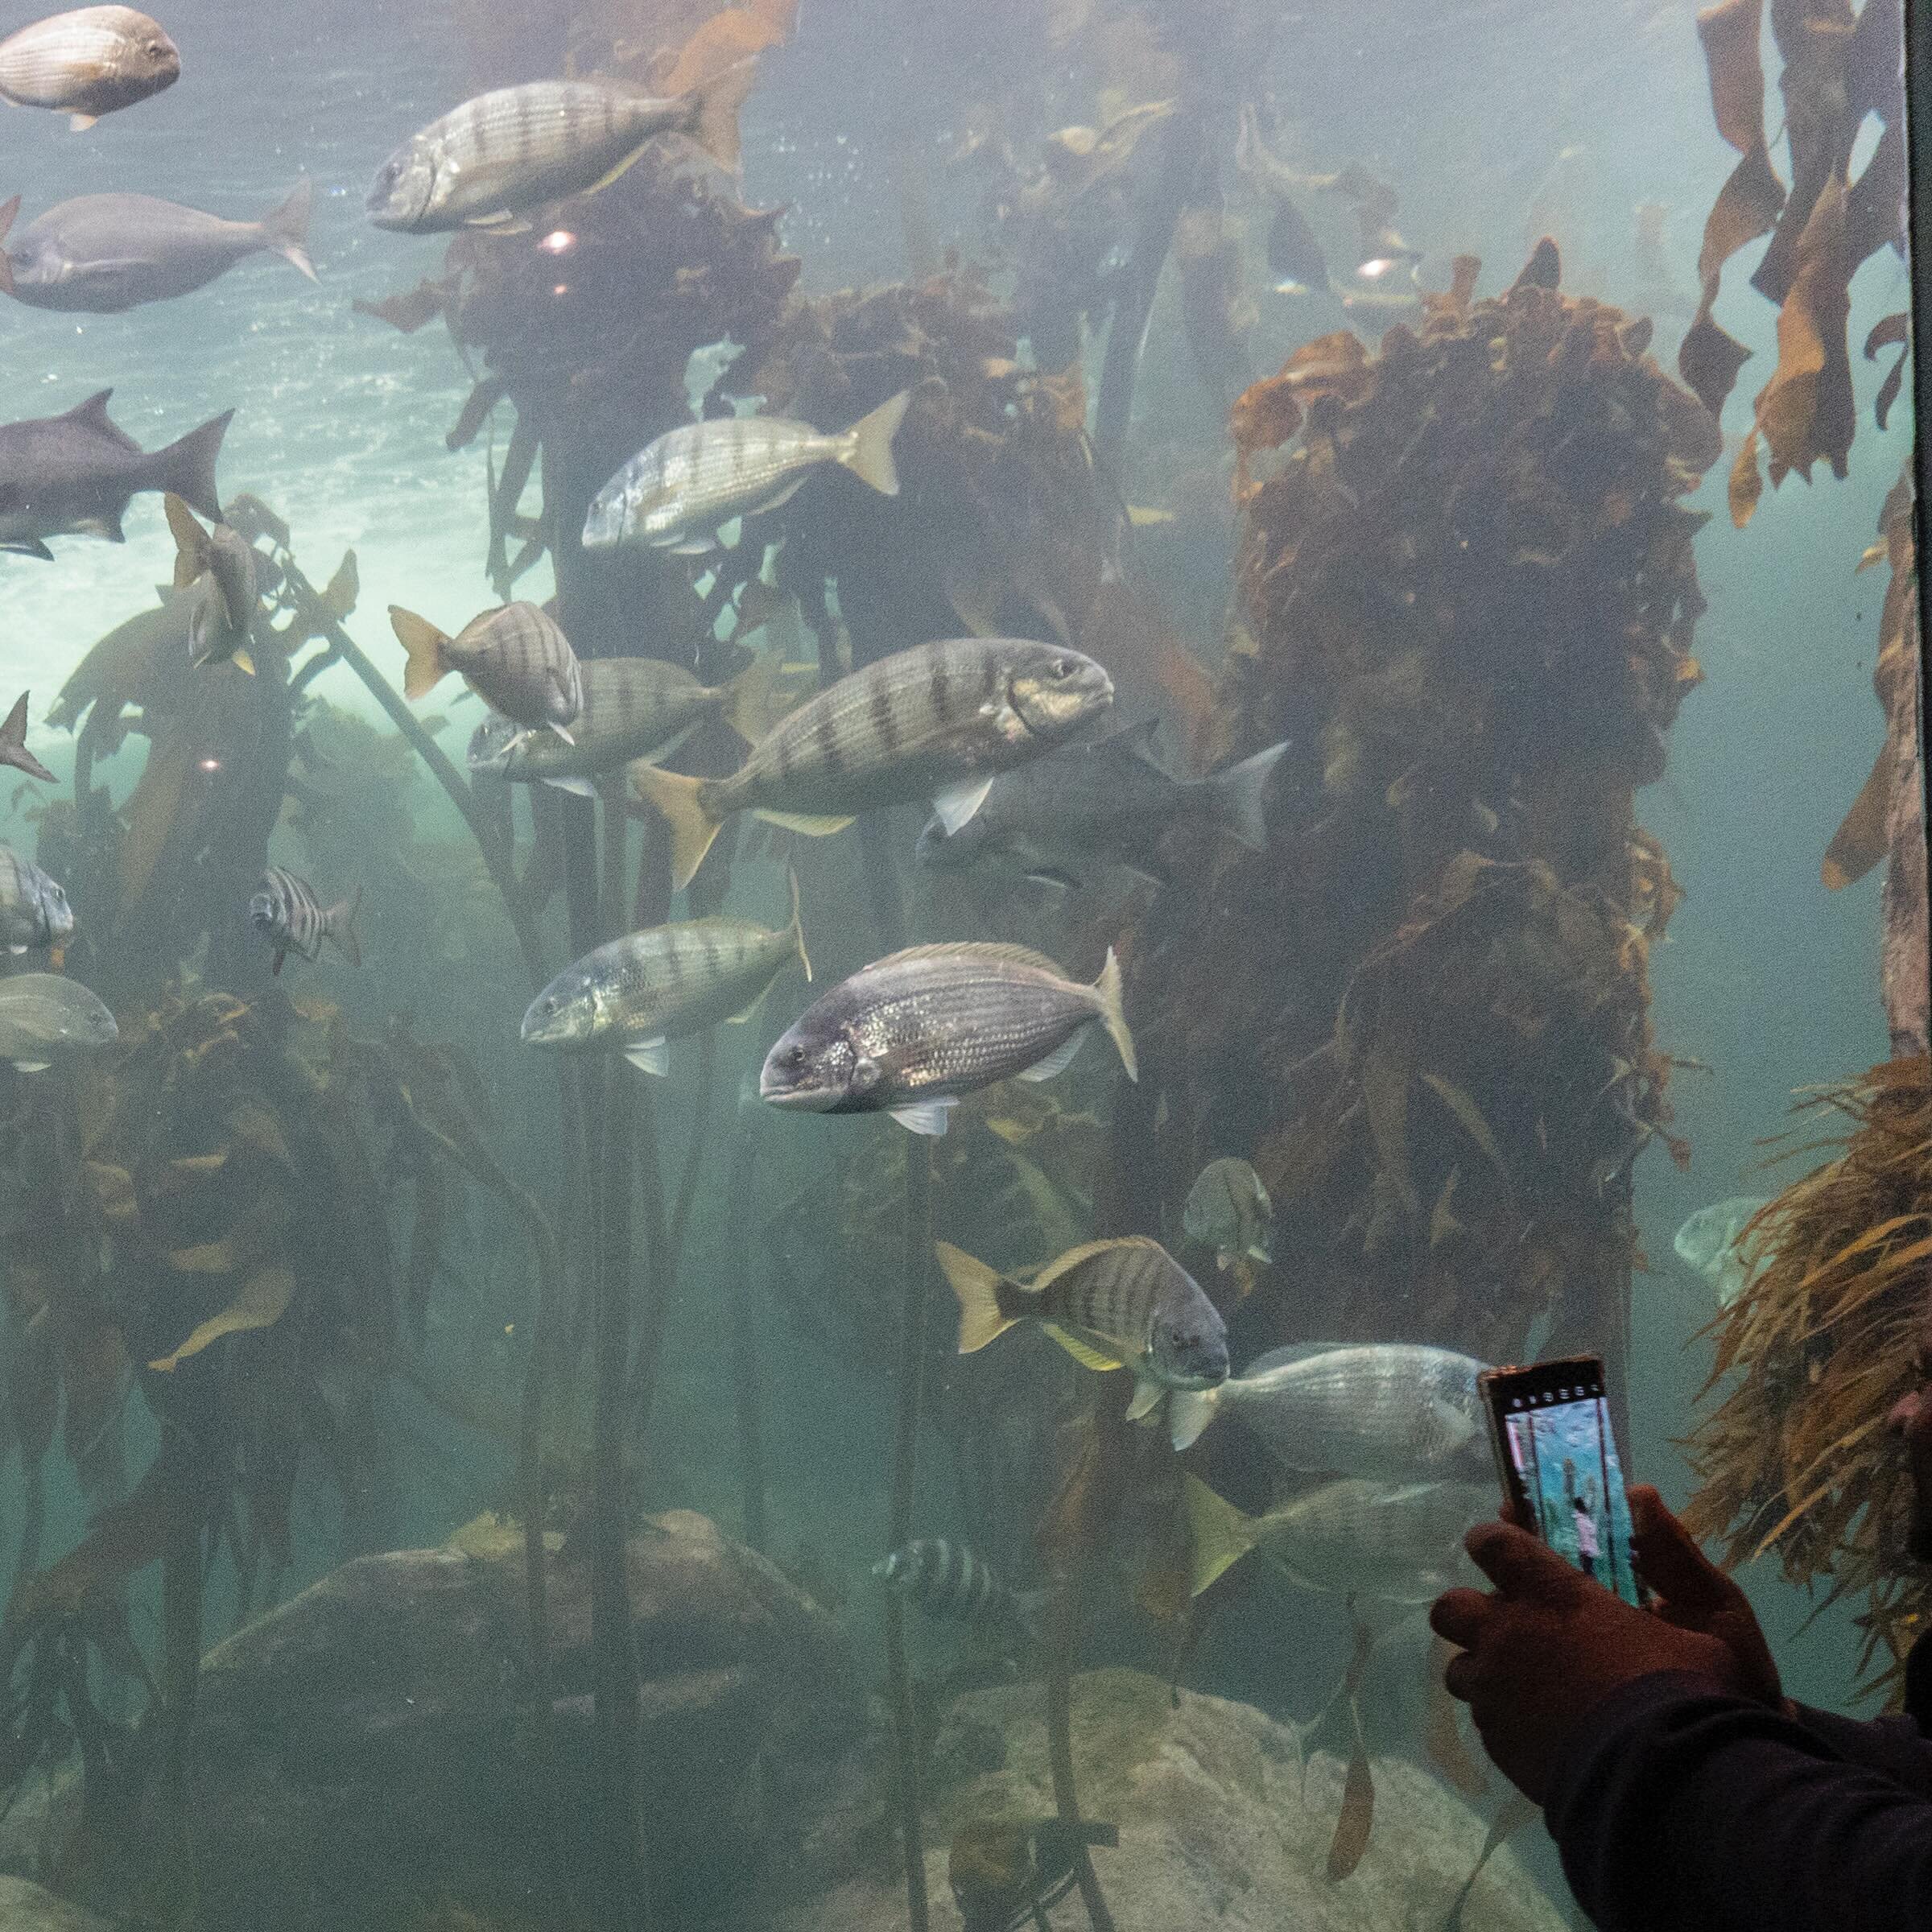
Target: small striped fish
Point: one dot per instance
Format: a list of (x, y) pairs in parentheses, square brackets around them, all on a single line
[(87, 62), (1126, 1303), (676, 492), (34, 911), (947, 1580), (939, 721), (638, 992), (514, 657), (288, 914), (503, 154)]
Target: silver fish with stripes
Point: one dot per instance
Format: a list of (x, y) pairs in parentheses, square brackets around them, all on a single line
[(286, 912), (635, 994), (939, 722), (500, 155), (909, 1033), (514, 657), (88, 62), (34, 911), (1126, 1303), (632, 708), (948, 1581), (676, 492), (45, 1015)]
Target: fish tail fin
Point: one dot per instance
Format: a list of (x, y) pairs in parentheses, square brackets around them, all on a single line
[(714, 104), (339, 922), (1189, 1412), (1222, 1534), (797, 928), (285, 229), (751, 697), (990, 1303), (693, 824), (1113, 1013), (188, 467), (191, 541), (428, 663), (870, 457), (1240, 796), (8, 211)]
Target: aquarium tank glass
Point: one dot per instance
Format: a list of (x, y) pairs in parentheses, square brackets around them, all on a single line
[(843, 834)]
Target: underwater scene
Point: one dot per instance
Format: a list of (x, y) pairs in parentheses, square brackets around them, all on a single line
[(843, 834)]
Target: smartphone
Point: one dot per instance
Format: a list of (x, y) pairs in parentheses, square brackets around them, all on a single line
[(1556, 1454)]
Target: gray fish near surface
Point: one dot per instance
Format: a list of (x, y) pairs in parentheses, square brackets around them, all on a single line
[(88, 62), (1708, 1241), (13, 744), (1100, 804), (75, 474), (501, 154), (1118, 1304), (45, 1013), (635, 993), (98, 254), (34, 911), (909, 1033), (286, 912), (514, 657), (219, 566), (1228, 1210), (633, 708), (947, 1580), (940, 721), (1394, 1410), (676, 491), (1378, 1542)]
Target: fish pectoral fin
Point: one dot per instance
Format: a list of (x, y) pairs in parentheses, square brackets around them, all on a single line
[(731, 533), (502, 222), (565, 735), (649, 1056), (578, 788), (30, 547), (924, 1116), (16, 950), (814, 825), (78, 123), (1060, 881), (1083, 1352), (1146, 1401), (690, 547), (958, 803), (242, 662), (758, 1000), (1059, 1060), (32, 1066)]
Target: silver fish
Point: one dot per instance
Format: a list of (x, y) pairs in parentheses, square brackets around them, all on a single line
[(286, 912), (1708, 1241), (676, 491), (218, 565), (13, 744), (1395, 1409), (949, 1581), (636, 993), (45, 1013), (909, 1033), (513, 657), (504, 154), (98, 254), (939, 721), (1106, 803), (1126, 1303), (1228, 1210), (87, 62), (75, 474), (34, 911)]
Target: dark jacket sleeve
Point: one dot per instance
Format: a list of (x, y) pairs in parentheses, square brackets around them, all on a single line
[(1678, 1810)]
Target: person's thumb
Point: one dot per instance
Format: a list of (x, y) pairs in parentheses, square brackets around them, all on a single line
[(1671, 1562)]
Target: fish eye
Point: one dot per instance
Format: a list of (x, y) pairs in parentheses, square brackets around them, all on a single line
[(795, 1053), (1062, 668)]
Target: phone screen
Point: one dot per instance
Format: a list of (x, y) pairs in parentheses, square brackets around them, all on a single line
[(1557, 1455)]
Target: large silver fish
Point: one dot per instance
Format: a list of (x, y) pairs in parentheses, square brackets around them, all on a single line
[(34, 911), (633, 708), (43, 1014), (514, 657), (1396, 1410), (1228, 1210), (98, 254), (1709, 1241), (497, 157), (909, 1033), (286, 912), (75, 474), (676, 492), (218, 565), (636, 993), (1118, 1304), (939, 722), (88, 62)]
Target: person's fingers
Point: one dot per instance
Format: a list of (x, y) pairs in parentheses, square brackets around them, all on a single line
[(1518, 1563), (1458, 1616), (1671, 1562), (1459, 1676)]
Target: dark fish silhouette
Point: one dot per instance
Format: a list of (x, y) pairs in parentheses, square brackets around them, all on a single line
[(87, 62), (13, 744)]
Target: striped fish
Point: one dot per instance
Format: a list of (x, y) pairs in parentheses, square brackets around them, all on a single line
[(1120, 1304), (514, 657), (948, 1581), (501, 154), (87, 62), (632, 707), (676, 492), (636, 993), (288, 914), (939, 721), (34, 911)]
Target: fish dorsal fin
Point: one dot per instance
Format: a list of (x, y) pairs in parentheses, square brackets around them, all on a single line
[(1087, 1250), (1059, 1060), (1083, 1352), (649, 1056), (958, 803), (92, 414), (924, 1116), (992, 953)]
